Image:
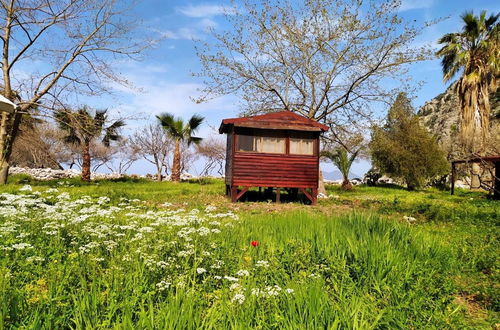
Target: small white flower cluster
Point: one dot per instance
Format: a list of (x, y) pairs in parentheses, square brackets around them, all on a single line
[(262, 264), (267, 292), (163, 285), (242, 273), (238, 298), (270, 291)]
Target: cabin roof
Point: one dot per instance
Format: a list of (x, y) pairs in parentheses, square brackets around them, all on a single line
[(274, 120)]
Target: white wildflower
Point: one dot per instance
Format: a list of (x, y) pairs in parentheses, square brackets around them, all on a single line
[(22, 246), (163, 285), (243, 273), (26, 187), (238, 298), (262, 263), (231, 279)]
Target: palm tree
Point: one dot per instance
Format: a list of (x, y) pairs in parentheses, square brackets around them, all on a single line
[(82, 129), (475, 52), (180, 132), (340, 158)]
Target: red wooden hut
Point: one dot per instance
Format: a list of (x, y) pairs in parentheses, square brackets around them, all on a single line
[(276, 150)]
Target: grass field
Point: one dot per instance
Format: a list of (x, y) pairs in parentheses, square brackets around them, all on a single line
[(139, 254)]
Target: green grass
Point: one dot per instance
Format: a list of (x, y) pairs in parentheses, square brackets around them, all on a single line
[(351, 261)]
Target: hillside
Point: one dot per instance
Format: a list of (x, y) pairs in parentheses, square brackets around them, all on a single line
[(441, 116)]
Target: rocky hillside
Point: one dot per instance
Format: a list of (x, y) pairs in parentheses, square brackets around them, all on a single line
[(441, 116)]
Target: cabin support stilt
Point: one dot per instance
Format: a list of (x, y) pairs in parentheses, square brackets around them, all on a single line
[(313, 196), (496, 187)]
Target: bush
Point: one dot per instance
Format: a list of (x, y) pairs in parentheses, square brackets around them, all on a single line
[(403, 149)]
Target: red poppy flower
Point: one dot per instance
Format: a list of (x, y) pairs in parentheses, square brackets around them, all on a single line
[(254, 243)]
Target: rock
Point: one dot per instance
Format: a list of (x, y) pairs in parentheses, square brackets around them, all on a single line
[(322, 196), (410, 220)]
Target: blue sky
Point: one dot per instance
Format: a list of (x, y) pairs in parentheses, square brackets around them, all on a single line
[(165, 73)]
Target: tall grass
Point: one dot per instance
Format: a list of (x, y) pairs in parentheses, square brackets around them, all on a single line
[(356, 271)]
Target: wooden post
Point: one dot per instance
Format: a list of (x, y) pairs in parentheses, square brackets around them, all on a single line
[(453, 173), (234, 193), (315, 196), (278, 190), (496, 186)]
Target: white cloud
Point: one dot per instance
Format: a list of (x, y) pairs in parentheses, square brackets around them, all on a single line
[(176, 98), (416, 4), (207, 24), (180, 34), (200, 11)]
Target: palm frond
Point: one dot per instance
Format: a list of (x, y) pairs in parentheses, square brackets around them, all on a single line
[(171, 125), (99, 119), (111, 132), (491, 21), (63, 119), (471, 25), (195, 122), (72, 138), (194, 139)]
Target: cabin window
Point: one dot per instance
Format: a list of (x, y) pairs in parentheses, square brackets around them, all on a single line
[(265, 144), (301, 146)]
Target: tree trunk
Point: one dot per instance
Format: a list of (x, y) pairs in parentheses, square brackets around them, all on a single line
[(321, 183), (86, 162), (346, 184), (176, 166), (8, 134), (475, 182), (158, 175), (4, 163)]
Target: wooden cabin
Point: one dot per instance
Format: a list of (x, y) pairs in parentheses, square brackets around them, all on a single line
[(278, 150)]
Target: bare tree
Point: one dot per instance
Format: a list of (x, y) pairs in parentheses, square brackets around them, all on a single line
[(213, 150), (328, 60), (31, 150), (122, 156), (75, 41), (59, 151), (152, 144)]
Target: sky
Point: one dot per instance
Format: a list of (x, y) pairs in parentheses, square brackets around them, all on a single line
[(164, 78)]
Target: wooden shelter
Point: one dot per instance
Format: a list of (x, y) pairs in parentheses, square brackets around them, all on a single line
[(276, 150), (493, 159)]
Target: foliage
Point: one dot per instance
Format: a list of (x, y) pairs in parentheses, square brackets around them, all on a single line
[(180, 131), (475, 53), (343, 161), (372, 176), (403, 149)]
